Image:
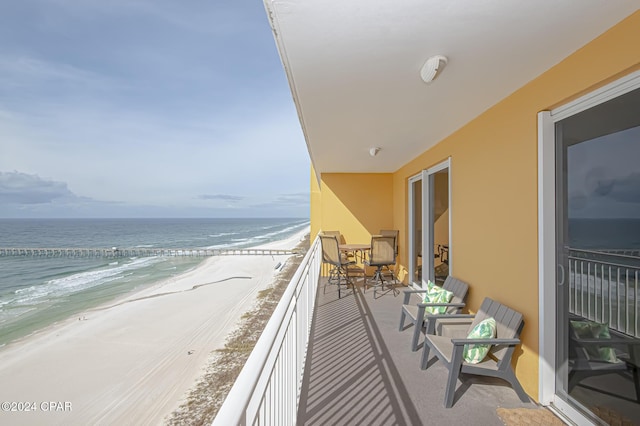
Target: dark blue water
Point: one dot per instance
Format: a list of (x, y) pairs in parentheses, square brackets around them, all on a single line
[(608, 234), (35, 292)]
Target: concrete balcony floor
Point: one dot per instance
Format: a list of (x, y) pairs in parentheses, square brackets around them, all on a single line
[(361, 370)]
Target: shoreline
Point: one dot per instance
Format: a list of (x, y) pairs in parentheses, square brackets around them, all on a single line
[(101, 305), (134, 359)]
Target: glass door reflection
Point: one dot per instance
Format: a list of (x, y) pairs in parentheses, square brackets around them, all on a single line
[(598, 260)]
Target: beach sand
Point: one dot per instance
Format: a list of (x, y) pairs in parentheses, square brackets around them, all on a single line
[(132, 361)]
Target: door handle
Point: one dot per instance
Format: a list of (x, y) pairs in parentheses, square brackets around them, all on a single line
[(560, 275)]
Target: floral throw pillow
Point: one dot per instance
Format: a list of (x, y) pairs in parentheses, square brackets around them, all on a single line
[(485, 329), (595, 330), (437, 295)]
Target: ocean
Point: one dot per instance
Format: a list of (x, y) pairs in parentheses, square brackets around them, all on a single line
[(36, 292), (604, 234)]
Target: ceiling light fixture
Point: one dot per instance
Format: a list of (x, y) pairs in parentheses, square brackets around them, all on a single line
[(432, 68), (374, 151)]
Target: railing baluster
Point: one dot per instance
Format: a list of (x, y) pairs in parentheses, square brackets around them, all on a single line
[(569, 283), (610, 296), (589, 290), (618, 298), (575, 286), (602, 293), (635, 296), (582, 288), (626, 301)]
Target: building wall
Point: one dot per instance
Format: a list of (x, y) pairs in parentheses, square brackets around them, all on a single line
[(358, 205), (494, 183), (315, 204)]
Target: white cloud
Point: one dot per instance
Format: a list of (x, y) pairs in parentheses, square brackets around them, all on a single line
[(224, 197), (22, 188), (28, 72), (603, 177)]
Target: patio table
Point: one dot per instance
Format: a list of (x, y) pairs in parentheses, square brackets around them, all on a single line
[(356, 248), (360, 251)]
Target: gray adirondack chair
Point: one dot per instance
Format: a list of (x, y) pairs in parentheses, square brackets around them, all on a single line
[(448, 345), (582, 365), (414, 309)]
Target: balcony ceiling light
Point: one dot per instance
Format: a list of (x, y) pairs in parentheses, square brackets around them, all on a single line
[(432, 68)]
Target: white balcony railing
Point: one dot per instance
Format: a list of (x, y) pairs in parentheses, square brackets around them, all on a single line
[(604, 288), (267, 391)]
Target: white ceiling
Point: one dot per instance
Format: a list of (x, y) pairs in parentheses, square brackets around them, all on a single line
[(354, 66)]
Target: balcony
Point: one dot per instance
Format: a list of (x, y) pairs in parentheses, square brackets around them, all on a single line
[(350, 365), (360, 370)]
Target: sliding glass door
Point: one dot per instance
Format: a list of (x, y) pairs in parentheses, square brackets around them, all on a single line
[(429, 225), (438, 222), (598, 258), (415, 230)]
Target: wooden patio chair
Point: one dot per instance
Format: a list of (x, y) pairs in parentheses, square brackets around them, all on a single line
[(448, 346), (413, 307)]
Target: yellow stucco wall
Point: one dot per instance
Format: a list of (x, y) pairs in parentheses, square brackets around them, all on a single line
[(358, 205), (494, 182), (315, 205)]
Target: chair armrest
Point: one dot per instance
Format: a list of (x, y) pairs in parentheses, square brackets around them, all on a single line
[(449, 305), (444, 325), (452, 316), (434, 320), (458, 348), (422, 314), (408, 293), (461, 342)]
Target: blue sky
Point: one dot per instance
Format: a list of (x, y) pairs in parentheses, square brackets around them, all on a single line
[(146, 108)]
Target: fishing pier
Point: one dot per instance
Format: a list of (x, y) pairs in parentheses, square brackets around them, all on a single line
[(138, 252)]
